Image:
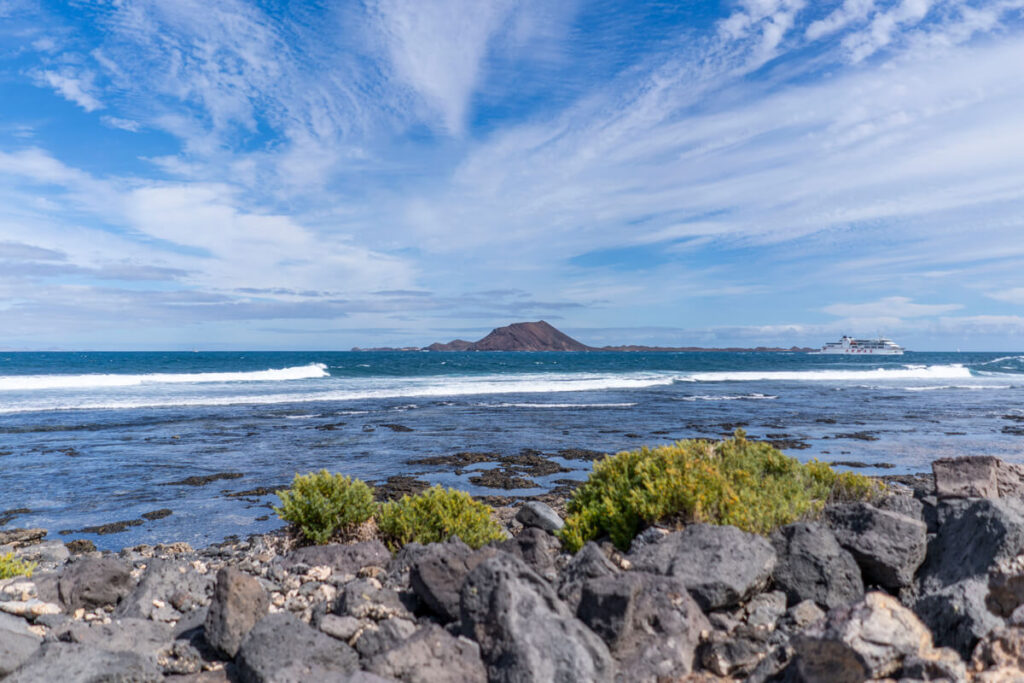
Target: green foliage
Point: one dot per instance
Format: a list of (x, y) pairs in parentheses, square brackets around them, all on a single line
[(11, 566), (436, 515), (744, 483), (322, 504)]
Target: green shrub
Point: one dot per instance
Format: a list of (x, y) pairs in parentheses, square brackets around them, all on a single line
[(11, 566), (436, 515), (744, 483), (321, 504)]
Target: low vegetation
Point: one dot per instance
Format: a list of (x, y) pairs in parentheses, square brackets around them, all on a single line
[(748, 484), (436, 515), (321, 504), (11, 566)]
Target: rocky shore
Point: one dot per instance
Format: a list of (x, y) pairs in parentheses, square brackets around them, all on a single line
[(926, 584)]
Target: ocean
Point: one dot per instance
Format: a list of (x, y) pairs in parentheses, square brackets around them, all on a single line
[(87, 439)]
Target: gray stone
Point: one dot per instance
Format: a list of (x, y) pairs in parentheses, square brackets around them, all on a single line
[(141, 636), (367, 599), (342, 628), (813, 566), (17, 643), (431, 655), (732, 655), (536, 514), (868, 639), (436, 574), (902, 504), (388, 634), (800, 616), (238, 603), (537, 549), (650, 623), (888, 547), (167, 590), (524, 631), (720, 565), (76, 663), (282, 649), (974, 535), (589, 563), (47, 553), (341, 558), (765, 610), (94, 582)]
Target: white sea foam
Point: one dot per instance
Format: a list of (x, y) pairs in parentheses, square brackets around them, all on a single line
[(741, 397), (556, 405), (971, 387), (95, 381), (929, 372)]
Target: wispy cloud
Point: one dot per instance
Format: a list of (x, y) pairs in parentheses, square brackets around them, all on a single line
[(74, 87)]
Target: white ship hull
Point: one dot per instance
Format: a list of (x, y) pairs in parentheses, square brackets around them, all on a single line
[(848, 346)]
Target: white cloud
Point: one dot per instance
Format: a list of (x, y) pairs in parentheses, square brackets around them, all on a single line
[(439, 48), (892, 307), (883, 26), (1013, 295), (123, 124), (74, 87), (851, 11)]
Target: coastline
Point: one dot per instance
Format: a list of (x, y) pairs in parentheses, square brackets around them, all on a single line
[(863, 592)]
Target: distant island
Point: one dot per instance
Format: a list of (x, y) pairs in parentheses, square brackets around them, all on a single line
[(542, 336)]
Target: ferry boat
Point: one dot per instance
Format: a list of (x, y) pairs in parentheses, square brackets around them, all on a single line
[(878, 347)]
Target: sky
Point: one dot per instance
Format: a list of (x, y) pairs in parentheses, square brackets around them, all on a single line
[(274, 174)]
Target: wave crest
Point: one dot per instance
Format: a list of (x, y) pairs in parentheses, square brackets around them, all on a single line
[(95, 381)]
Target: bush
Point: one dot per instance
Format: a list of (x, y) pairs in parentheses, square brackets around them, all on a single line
[(436, 515), (11, 566), (322, 504), (744, 483)]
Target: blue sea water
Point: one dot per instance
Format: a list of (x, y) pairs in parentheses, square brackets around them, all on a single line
[(92, 438)]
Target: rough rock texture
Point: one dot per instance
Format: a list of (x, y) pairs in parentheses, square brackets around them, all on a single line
[(140, 636), (977, 476), (524, 631), (720, 565), (537, 514), (238, 603), (167, 590), (588, 563), (813, 566), (342, 559), (999, 656), (436, 574), (17, 643), (375, 639), (94, 582), (537, 549), (432, 655), (973, 536), (869, 639), (650, 623), (367, 599), (85, 664), (888, 547), (282, 649)]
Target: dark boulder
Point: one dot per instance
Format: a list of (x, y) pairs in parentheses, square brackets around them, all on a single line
[(17, 643), (720, 565), (813, 566), (94, 582), (888, 547), (282, 649), (76, 663), (973, 536), (386, 636), (431, 655), (436, 573), (536, 548), (238, 603), (524, 631), (589, 563), (167, 590), (342, 559), (649, 622), (367, 599)]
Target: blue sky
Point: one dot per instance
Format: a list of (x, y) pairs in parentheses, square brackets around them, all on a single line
[(317, 175)]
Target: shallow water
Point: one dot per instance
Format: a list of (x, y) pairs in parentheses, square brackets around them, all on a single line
[(92, 438)]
